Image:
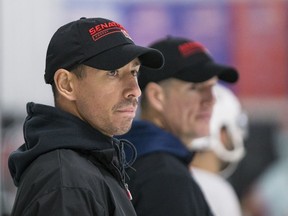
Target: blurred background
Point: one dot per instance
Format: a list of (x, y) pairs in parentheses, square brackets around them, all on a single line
[(250, 35)]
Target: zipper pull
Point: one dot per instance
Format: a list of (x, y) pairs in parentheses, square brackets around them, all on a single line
[(128, 192)]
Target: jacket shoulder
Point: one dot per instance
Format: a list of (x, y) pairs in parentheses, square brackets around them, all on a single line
[(61, 174)]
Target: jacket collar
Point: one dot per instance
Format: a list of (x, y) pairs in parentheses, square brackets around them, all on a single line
[(148, 138)]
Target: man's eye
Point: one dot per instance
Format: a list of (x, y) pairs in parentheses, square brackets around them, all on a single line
[(113, 73), (193, 86), (135, 73)]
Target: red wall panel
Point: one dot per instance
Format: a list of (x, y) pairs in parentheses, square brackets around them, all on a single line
[(260, 48)]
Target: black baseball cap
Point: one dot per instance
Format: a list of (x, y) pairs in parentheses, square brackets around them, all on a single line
[(186, 60), (96, 42)]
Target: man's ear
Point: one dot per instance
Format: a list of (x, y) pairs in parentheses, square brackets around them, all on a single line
[(155, 96), (63, 80)]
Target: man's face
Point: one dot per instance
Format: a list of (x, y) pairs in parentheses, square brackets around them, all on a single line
[(108, 100), (188, 107)]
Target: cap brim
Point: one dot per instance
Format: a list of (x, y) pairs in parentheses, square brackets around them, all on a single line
[(119, 56), (203, 72)]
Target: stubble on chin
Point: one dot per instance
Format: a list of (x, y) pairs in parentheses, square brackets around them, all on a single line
[(123, 128), (124, 125)]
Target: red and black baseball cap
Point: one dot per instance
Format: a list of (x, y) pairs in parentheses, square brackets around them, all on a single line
[(186, 60), (96, 42)]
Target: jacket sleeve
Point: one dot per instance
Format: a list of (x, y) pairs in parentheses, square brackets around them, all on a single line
[(170, 195), (66, 202)]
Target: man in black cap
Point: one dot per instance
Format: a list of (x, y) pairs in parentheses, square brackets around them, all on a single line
[(176, 106), (70, 163)]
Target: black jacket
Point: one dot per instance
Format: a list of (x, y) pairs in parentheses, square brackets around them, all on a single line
[(66, 167), (162, 183)]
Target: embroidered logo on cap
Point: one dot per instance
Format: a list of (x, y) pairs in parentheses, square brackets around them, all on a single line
[(99, 31), (189, 48)]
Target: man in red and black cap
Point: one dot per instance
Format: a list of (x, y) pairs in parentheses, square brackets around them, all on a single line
[(70, 163), (176, 107)]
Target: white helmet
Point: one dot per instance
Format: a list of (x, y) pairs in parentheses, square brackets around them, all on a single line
[(227, 112)]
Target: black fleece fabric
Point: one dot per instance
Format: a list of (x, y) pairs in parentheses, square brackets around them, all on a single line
[(66, 167)]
